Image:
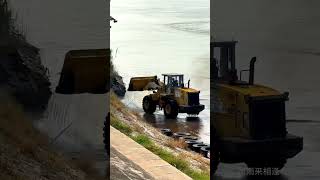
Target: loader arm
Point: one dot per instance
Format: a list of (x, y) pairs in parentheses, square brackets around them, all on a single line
[(147, 83)]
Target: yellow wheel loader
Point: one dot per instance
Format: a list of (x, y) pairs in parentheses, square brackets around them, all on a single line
[(248, 120), (171, 95)]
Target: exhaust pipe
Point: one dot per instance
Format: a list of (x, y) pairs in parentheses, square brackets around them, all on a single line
[(251, 75)]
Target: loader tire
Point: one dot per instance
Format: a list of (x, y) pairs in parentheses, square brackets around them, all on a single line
[(215, 152), (149, 106), (204, 151), (171, 109), (66, 83), (106, 134), (215, 159), (166, 132), (190, 143)]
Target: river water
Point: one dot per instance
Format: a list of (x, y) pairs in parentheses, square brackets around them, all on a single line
[(153, 37), (284, 35)]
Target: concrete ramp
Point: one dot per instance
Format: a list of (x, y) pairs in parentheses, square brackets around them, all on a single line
[(146, 160)]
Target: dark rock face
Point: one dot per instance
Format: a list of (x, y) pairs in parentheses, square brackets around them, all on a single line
[(117, 85), (25, 77)]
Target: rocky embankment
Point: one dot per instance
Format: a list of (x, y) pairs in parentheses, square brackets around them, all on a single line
[(117, 84), (25, 152), (23, 75), (21, 71)]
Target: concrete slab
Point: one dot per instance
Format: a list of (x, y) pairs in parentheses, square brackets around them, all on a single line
[(121, 168), (143, 158)]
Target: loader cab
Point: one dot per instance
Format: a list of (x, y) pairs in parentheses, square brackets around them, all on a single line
[(222, 58), (172, 81)]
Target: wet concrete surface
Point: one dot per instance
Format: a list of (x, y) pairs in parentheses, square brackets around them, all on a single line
[(123, 169), (120, 167)]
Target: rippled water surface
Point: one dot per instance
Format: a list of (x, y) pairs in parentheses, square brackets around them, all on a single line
[(154, 37)]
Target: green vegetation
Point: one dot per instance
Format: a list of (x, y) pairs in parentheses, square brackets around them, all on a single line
[(125, 129), (164, 154)]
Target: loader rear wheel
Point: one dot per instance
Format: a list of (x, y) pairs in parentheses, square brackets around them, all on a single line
[(171, 109), (215, 158), (149, 106)]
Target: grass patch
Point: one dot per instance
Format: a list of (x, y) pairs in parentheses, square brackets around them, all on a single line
[(125, 129), (14, 125), (177, 161)]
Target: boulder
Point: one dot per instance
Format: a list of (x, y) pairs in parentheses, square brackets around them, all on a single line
[(22, 73)]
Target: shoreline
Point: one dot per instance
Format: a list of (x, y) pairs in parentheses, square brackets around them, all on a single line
[(130, 123)]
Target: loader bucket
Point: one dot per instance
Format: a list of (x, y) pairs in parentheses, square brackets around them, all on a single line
[(85, 71), (143, 83)]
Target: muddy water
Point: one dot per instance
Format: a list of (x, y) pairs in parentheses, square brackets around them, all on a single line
[(57, 27), (154, 37), (284, 35)]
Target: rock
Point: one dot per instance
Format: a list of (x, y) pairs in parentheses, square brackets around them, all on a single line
[(25, 77), (117, 85)]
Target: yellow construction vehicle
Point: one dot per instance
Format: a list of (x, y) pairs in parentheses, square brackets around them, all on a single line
[(248, 120), (171, 95)]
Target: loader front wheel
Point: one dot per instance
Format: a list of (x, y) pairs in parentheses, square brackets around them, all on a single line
[(171, 109), (106, 134), (216, 152), (66, 83), (149, 106)]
